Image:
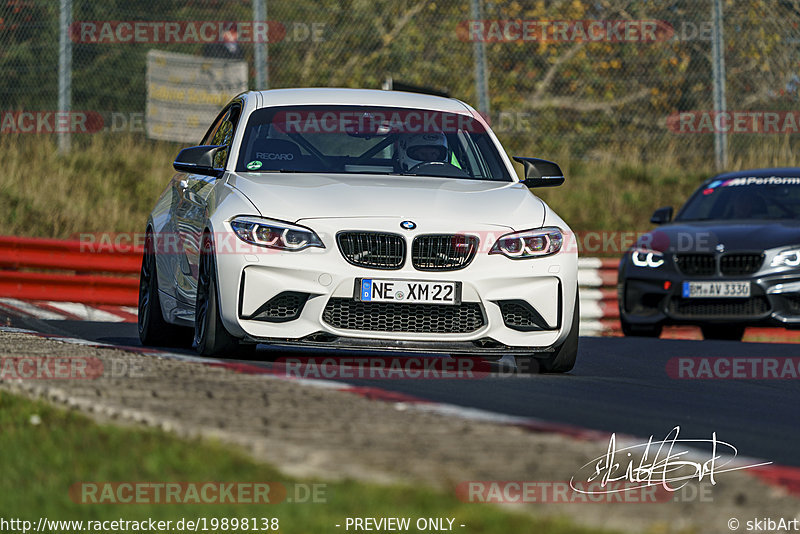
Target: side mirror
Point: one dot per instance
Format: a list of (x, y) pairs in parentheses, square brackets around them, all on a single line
[(540, 172), (199, 160), (662, 215)]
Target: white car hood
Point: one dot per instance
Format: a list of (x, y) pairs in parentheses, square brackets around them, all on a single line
[(296, 196)]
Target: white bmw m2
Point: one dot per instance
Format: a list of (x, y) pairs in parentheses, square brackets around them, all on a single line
[(359, 220)]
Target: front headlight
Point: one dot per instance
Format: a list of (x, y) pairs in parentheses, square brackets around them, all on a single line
[(275, 234), (787, 258), (529, 243), (647, 258)]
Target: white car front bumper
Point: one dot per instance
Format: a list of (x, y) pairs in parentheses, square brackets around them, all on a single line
[(322, 278)]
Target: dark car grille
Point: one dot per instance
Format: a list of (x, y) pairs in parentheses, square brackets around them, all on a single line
[(349, 314), (729, 264), (372, 249), (751, 307), (696, 264), (445, 252), (739, 264), (281, 308)]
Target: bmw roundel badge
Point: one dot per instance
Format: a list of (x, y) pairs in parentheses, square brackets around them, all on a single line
[(408, 225)]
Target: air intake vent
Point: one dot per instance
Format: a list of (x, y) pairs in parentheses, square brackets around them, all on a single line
[(281, 308), (751, 307), (519, 315), (349, 314)]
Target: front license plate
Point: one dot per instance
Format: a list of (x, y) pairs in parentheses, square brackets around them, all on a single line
[(715, 290), (411, 291)]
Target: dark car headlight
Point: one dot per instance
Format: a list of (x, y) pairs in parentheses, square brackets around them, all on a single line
[(275, 234), (529, 243), (786, 258), (647, 258)]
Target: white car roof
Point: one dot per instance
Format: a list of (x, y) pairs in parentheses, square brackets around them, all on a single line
[(358, 97)]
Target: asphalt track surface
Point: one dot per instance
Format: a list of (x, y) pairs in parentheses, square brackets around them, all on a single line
[(618, 385)]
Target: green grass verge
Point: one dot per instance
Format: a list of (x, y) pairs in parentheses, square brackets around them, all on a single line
[(106, 184), (41, 461), (109, 183)]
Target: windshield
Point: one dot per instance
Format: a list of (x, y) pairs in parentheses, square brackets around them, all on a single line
[(369, 140), (775, 197)]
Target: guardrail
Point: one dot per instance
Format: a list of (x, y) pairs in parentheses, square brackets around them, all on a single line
[(74, 271), (74, 274)]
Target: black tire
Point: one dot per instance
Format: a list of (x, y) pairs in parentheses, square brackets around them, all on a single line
[(210, 336), (723, 332), (562, 360), (153, 329), (630, 330)]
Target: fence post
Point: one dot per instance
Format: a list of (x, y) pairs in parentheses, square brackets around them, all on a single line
[(64, 70), (261, 51), (720, 104), (481, 70)]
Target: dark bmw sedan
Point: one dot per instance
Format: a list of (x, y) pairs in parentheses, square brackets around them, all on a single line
[(729, 259)]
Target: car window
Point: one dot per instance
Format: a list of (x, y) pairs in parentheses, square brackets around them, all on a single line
[(369, 140), (222, 133), (775, 197), (212, 130)]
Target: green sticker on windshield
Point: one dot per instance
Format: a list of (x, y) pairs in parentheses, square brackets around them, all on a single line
[(254, 165)]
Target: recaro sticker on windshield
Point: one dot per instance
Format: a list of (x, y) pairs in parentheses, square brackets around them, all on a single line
[(254, 165)]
